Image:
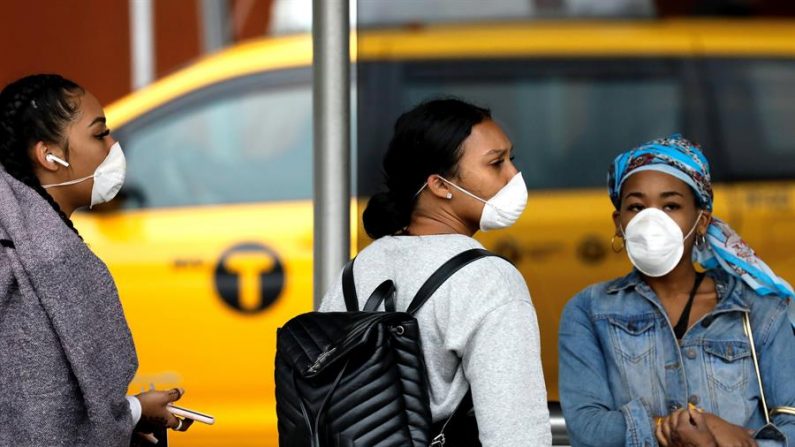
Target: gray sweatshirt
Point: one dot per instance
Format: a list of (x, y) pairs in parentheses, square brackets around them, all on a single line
[(478, 330)]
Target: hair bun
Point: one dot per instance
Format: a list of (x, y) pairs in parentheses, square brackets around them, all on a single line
[(383, 216)]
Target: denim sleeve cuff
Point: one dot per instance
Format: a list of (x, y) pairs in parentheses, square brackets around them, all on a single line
[(639, 428), (770, 436)]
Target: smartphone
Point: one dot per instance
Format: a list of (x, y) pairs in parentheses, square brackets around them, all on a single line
[(190, 414)]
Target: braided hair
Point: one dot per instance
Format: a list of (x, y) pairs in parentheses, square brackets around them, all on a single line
[(32, 109)]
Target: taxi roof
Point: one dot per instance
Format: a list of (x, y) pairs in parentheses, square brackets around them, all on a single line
[(675, 37)]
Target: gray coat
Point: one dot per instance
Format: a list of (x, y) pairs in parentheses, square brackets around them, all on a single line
[(66, 353)]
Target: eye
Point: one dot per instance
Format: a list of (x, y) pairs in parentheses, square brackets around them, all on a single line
[(671, 206), (500, 161), (635, 207), (102, 135)]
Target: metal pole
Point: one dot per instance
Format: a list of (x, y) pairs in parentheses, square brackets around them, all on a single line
[(216, 32), (142, 47), (331, 63)]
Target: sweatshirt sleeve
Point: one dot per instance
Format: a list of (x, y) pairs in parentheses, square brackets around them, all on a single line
[(135, 409), (502, 363)]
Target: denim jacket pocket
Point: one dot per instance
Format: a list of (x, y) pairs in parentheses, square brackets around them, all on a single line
[(632, 336), (728, 363)]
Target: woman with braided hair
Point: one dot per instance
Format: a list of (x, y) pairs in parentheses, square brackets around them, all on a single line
[(66, 353)]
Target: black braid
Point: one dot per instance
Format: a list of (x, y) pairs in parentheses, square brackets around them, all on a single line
[(32, 109)]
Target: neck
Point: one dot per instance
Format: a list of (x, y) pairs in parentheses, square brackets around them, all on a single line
[(423, 225), (676, 283), (57, 195)]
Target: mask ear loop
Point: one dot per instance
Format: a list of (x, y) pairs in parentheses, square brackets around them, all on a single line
[(618, 236), (462, 190), (449, 194), (70, 182), (690, 233)]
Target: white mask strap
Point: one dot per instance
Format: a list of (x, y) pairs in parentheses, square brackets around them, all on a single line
[(461, 189), (424, 185), (70, 182), (689, 233)]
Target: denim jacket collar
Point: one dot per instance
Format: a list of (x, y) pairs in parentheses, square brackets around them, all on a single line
[(732, 294)]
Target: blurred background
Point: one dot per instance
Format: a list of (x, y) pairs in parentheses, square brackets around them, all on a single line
[(211, 237)]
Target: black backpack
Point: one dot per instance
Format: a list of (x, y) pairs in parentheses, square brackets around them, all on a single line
[(358, 378)]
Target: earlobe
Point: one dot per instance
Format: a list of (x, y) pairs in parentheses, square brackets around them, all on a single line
[(438, 187), (617, 223)]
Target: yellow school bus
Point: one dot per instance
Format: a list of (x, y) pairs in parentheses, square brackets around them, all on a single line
[(210, 242)]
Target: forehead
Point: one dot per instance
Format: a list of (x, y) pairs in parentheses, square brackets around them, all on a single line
[(89, 109), (484, 137), (653, 183)]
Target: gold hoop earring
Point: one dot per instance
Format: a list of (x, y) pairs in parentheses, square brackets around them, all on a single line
[(613, 244)]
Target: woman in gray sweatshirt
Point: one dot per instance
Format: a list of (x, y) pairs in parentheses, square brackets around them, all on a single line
[(449, 174), (66, 353)]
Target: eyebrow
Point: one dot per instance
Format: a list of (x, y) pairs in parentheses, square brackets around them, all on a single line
[(99, 119), (497, 151), (664, 195)]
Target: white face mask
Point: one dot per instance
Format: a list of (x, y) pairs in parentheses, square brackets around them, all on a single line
[(654, 242), (504, 209), (108, 177)]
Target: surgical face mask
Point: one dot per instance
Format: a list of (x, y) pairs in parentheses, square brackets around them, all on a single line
[(108, 177), (654, 242), (504, 209)]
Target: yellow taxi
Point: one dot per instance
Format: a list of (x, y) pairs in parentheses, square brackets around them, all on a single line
[(210, 242)]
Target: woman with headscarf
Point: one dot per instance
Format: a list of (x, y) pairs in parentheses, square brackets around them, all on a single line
[(664, 355)]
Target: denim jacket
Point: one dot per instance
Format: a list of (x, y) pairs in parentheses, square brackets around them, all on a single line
[(621, 365)]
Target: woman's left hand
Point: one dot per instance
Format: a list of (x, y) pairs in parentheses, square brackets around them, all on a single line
[(154, 410), (727, 434), (684, 428)]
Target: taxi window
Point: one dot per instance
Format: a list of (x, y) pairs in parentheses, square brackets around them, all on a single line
[(756, 114), (245, 141), (567, 118)]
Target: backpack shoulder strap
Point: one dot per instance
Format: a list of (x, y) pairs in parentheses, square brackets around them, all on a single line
[(349, 288), (442, 273), (383, 293)]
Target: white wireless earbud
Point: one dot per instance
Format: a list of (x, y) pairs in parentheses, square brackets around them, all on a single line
[(53, 158)]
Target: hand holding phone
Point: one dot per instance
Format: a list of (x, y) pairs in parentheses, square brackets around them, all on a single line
[(190, 414)]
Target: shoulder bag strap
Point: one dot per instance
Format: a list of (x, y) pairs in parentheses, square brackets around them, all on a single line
[(445, 271), (750, 334), (349, 288), (385, 292)]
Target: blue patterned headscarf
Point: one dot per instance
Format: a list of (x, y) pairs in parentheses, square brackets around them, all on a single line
[(684, 160)]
